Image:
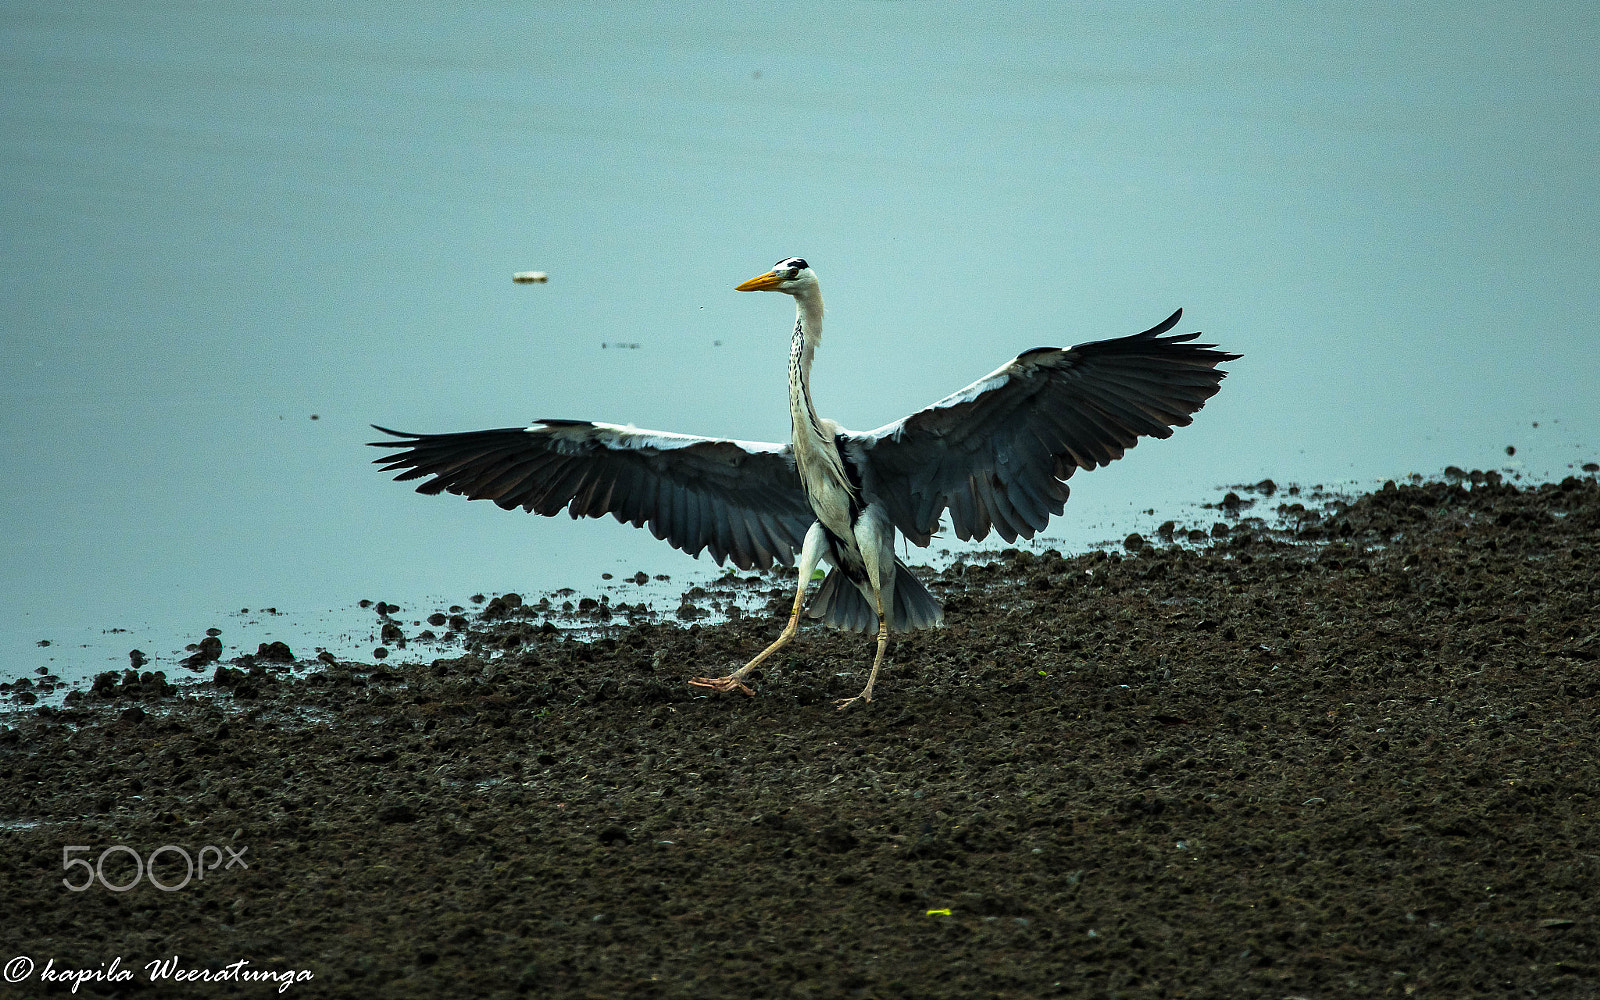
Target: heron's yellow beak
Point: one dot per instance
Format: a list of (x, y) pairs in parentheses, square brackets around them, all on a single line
[(760, 283)]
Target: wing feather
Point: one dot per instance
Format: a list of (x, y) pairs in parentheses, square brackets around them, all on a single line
[(673, 519), (1021, 490), (737, 538), (624, 496), (680, 516), (1000, 511), (741, 500), (691, 513), (998, 453), (551, 495)]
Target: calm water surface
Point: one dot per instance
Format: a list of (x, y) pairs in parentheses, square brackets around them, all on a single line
[(231, 239)]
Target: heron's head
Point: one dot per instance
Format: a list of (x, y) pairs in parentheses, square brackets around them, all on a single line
[(791, 275)]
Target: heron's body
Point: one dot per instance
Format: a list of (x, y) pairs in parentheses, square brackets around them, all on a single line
[(859, 539), (995, 455)]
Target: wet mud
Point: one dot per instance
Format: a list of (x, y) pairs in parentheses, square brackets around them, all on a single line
[(1321, 746)]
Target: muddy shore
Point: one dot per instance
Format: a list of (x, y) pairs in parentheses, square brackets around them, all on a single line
[(1325, 746)]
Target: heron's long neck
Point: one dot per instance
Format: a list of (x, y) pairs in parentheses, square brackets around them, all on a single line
[(816, 456), (807, 335)]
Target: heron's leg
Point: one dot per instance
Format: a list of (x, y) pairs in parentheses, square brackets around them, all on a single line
[(875, 538), (810, 555), (877, 661)]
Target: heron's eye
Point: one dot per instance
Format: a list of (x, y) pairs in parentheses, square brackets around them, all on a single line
[(794, 272)]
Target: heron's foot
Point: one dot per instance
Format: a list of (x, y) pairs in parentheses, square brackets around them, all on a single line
[(732, 682), (844, 703)]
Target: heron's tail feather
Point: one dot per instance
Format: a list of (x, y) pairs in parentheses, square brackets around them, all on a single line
[(914, 607), (842, 605)]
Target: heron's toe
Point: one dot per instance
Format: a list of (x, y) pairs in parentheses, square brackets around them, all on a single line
[(729, 683)]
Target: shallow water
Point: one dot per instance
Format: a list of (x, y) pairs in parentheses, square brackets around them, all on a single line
[(233, 239)]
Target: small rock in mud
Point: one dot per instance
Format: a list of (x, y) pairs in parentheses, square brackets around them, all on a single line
[(275, 652), (207, 650)]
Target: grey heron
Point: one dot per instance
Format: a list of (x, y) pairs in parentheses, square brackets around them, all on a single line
[(995, 455)]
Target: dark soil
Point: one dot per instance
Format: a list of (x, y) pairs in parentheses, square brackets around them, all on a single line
[(1347, 753)]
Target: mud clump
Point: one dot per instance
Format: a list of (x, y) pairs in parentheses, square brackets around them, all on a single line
[(206, 651), (274, 652), (1345, 748)]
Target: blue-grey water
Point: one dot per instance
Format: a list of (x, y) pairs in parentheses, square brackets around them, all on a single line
[(233, 235)]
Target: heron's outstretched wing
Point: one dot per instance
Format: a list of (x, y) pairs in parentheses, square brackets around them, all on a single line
[(998, 453), (739, 499)]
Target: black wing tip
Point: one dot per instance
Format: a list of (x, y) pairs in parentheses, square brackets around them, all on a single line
[(406, 440), (1154, 333), (410, 439), (1165, 325), (1210, 351), (1211, 355)]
